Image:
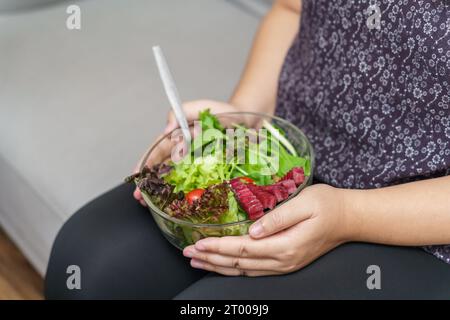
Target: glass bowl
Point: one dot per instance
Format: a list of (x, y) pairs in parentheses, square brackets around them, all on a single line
[(182, 233)]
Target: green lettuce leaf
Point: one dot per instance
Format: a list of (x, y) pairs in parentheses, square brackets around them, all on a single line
[(209, 121)]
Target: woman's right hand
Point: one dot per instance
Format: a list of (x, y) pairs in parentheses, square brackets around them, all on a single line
[(191, 109)]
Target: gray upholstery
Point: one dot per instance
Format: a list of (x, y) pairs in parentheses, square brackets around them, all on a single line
[(20, 5), (77, 108)]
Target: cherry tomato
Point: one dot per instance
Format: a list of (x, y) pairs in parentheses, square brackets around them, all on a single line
[(246, 179), (194, 195)]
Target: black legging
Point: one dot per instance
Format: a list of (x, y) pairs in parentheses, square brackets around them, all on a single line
[(122, 254)]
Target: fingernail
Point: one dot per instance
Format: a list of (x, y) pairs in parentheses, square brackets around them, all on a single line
[(200, 246), (196, 264), (256, 229), (189, 253)]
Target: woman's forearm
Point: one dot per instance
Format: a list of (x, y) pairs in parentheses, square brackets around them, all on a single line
[(416, 213), (258, 85)]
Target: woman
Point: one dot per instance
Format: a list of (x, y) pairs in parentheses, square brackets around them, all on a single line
[(368, 82)]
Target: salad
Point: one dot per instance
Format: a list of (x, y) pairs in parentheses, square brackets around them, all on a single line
[(214, 184)]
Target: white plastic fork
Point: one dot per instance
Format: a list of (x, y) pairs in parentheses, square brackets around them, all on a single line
[(172, 93)]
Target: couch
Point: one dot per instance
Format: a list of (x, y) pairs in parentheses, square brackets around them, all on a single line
[(78, 107)]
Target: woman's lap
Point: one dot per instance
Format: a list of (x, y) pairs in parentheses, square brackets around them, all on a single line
[(120, 251), (405, 273), (122, 254)]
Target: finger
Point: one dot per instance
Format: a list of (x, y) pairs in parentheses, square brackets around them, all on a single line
[(279, 219), (171, 123), (158, 152), (160, 146), (191, 110), (137, 194), (242, 246), (230, 271), (232, 262)]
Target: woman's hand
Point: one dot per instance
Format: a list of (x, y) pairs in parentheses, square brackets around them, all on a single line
[(283, 241), (191, 110)]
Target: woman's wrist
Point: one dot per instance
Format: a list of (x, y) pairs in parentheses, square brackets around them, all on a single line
[(351, 220), (334, 206)]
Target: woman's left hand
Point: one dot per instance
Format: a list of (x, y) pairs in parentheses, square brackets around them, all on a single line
[(285, 240)]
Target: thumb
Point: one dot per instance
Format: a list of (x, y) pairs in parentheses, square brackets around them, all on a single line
[(279, 219)]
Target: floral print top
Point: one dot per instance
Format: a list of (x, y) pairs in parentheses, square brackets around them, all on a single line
[(368, 82)]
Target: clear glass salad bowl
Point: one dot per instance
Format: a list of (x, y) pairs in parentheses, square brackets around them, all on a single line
[(182, 233)]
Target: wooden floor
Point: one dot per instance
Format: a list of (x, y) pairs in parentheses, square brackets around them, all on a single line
[(18, 279)]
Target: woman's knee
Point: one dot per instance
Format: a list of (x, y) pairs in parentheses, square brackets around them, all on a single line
[(66, 262), (119, 252), (91, 244)]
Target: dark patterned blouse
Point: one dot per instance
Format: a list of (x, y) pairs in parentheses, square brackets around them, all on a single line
[(368, 82)]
